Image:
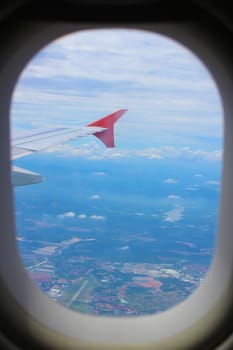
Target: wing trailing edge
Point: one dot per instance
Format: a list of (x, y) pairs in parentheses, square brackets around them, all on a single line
[(22, 177), (107, 136)]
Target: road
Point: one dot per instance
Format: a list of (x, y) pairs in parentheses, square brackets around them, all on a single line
[(38, 264)]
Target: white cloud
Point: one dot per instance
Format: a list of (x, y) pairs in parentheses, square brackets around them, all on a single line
[(175, 214), (82, 75), (95, 151), (99, 173), (198, 175), (148, 153), (211, 182), (117, 56), (97, 217), (192, 188), (173, 196), (170, 181), (94, 197), (82, 216), (190, 154), (125, 247), (69, 214)]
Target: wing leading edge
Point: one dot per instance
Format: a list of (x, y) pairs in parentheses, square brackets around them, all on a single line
[(102, 128)]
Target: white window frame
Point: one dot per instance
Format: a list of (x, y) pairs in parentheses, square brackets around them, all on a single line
[(188, 325)]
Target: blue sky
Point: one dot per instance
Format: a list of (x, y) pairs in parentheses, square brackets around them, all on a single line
[(173, 104)]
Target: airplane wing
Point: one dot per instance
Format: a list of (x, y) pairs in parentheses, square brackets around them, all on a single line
[(103, 129)]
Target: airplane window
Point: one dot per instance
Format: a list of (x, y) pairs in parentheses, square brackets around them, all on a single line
[(116, 168)]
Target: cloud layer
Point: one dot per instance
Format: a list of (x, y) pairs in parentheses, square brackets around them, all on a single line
[(176, 214), (170, 96), (95, 151)]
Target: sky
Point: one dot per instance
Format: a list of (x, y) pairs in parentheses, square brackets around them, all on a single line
[(174, 108)]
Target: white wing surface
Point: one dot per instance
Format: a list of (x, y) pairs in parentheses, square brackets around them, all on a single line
[(42, 140)]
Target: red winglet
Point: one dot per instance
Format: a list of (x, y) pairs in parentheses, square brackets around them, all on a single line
[(107, 136)]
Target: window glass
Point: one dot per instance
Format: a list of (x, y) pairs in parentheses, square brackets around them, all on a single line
[(127, 230)]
